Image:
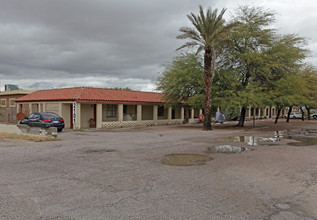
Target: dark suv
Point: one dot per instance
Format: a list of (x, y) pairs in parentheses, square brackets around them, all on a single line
[(44, 119)]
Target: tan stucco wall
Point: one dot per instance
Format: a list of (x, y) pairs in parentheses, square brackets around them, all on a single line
[(131, 109), (177, 113), (52, 107), (66, 114), (87, 112), (35, 107), (147, 112)]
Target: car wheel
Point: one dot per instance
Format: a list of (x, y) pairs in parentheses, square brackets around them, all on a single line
[(315, 116), (59, 129), (294, 117)]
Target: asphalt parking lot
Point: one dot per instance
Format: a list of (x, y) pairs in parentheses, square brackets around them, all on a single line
[(118, 174)]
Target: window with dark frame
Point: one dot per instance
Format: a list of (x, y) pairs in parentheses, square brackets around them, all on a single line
[(3, 103), (12, 102), (111, 111), (160, 111)]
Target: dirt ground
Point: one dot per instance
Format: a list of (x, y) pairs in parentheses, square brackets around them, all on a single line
[(118, 174)]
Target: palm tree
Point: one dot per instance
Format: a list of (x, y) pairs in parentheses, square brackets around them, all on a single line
[(209, 32)]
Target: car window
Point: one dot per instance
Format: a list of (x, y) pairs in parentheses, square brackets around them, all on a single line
[(31, 116), (36, 116), (49, 115)]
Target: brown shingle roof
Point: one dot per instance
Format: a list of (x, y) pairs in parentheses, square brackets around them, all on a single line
[(88, 94)]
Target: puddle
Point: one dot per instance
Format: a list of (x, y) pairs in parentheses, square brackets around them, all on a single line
[(227, 149), (99, 151), (303, 141), (185, 159), (252, 140), (304, 137)]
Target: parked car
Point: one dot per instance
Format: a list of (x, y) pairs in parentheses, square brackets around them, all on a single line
[(44, 119), (293, 115), (314, 115)]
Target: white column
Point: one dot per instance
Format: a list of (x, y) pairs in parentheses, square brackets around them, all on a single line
[(155, 113), (139, 113), (19, 106), (192, 113), (249, 111), (98, 115), (30, 108), (182, 113), (120, 112), (169, 114), (200, 112)]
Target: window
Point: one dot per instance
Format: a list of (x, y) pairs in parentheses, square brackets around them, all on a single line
[(12, 102), (125, 109), (31, 116), (160, 111), (3, 103), (111, 111), (36, 116)]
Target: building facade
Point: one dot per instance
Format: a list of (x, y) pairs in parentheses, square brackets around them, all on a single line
[(84, 107), (8, 109), (264, 112)]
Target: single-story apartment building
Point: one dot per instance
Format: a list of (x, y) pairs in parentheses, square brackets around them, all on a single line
[(8, 109), (264, 112), (84, 107)]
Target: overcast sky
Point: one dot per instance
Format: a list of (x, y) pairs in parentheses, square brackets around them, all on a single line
[(48, 44)]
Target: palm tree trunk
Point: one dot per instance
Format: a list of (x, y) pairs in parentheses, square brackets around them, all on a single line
[(208, 77)]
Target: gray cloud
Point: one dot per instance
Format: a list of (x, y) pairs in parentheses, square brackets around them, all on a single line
[(111, 43)]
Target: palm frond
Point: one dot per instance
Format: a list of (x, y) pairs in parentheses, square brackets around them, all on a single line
[(189, 33), (189, 44), (209, 27), (200, 49)]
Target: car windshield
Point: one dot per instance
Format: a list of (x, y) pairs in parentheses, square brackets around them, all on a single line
[(49, 115)]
